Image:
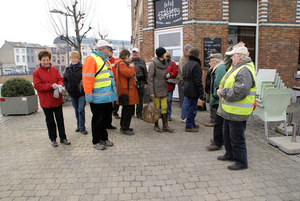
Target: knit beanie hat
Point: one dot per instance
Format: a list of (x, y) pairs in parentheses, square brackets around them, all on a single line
[(160, 51)]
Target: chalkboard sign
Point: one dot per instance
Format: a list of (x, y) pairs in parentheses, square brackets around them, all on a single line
[(168, 13), (208, 46)]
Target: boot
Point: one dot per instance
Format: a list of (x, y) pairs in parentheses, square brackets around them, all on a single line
[(166, 128), (156, 127)]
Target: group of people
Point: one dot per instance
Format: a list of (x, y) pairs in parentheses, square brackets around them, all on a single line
[(106, 83)]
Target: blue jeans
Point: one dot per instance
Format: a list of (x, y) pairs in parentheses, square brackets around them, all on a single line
[(78, 105), (169, 103), (235, 142), (184, 108), (190, 121)]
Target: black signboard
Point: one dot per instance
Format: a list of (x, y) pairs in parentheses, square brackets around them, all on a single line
[(168, 13), (208, 46)]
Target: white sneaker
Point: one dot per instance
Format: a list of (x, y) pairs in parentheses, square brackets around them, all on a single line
[(183, 120)]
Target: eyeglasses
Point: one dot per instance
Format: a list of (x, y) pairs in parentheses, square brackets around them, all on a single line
[(110, 48)]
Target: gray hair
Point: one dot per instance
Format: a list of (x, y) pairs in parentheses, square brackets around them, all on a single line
[(243, 56)]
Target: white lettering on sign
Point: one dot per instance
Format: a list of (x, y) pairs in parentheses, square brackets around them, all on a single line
[(169, 11)]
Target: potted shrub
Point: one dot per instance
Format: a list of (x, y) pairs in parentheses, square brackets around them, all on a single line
[(18, 97)]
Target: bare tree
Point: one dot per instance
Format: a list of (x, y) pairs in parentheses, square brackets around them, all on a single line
[(79, 11)]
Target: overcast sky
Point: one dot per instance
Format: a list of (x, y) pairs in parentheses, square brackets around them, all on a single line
[(28, 20)]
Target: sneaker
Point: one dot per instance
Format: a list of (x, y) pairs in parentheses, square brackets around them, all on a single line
[(236, 167), (117, 116), (224, 158), (183, 120), (127, 132), (213, 147), (169, 118), (84, 132), (54, 144), (65, 141), (191, 130), (99, 146), (209, 124), (107, 143)]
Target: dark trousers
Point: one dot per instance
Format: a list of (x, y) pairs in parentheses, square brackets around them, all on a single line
[(50, 122), (127, 113), (235, 142), (100, 119), (141, 92), (192, 112), (213, 112), (115, 108), (218, 130)]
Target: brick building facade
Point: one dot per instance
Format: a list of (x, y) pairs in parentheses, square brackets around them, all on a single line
[(270, 29)]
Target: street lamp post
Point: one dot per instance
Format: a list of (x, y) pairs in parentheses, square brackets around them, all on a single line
[(66, 14)]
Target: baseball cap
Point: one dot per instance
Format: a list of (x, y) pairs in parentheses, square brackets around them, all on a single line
[(238, 50), (188, 47), (217, 56), (135, 49), (103, 43)]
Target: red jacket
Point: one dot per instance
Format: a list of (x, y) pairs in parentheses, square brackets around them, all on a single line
[(173, 69), (43, 79), (122, 81)]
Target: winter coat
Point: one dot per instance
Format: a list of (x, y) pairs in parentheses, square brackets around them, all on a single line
[(173, 70), (43, 79), (181, 63), (157, 81), (192, 77), (217, 74), (72, 78), (141, 69), (125, 76), (208, 81)]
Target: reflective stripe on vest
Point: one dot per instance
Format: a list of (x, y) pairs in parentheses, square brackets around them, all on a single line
[(242, 107), (103, 78)]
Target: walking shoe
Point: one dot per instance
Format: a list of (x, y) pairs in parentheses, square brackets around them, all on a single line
[(117, 116), (236, 167), (213, 147), (131, 129), (127, 132), (196, 126), (169, 119), (54, 144), (77, 130), (65, 141), (212, 140), (209, 124), (224, 158), (183, 120), (107, 143), (84, 132), (111, 127), (99, 146), (191, 130)]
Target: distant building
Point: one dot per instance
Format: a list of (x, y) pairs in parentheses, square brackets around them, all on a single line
[(59, 55), (32, 51)]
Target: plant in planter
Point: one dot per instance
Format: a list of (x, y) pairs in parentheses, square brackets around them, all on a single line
[(18, 97)]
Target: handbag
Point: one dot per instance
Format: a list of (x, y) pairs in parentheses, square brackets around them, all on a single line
[(150, 113), (173, 80), (80, 85), (123, 98)]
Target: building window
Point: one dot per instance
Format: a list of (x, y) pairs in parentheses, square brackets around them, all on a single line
[(36, 58), (23, 50), (243, 11), (27, 50), (17, 58), (28, 59), (32, 58), (62, 59), (36, 51), (31, 51), (58, 60), (171, 40), (17, 50), (53, 59), (23, 58)]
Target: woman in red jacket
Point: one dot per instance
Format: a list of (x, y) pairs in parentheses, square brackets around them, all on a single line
[(173, 70), (125, 71), (49, 83)]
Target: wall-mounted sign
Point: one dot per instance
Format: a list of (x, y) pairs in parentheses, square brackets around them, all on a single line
[(208, 46), (168, 13)]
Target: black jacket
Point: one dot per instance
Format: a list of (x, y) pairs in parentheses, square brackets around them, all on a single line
[(192, 76), (72, 78), (141, 69)]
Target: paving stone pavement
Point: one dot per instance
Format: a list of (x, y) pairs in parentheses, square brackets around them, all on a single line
[(147, 166)]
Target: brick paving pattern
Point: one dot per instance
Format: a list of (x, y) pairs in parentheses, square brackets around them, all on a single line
[(147, 166)]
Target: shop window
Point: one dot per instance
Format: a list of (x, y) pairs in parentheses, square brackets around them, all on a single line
[(243, 11), (171, 40)]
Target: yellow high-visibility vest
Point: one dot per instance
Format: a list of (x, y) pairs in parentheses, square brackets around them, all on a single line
[(103, 79), (242, 107)]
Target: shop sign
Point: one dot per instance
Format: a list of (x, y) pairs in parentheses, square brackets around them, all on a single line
[(168, 13)]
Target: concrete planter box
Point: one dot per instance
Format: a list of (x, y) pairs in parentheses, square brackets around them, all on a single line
[(18, 105)]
